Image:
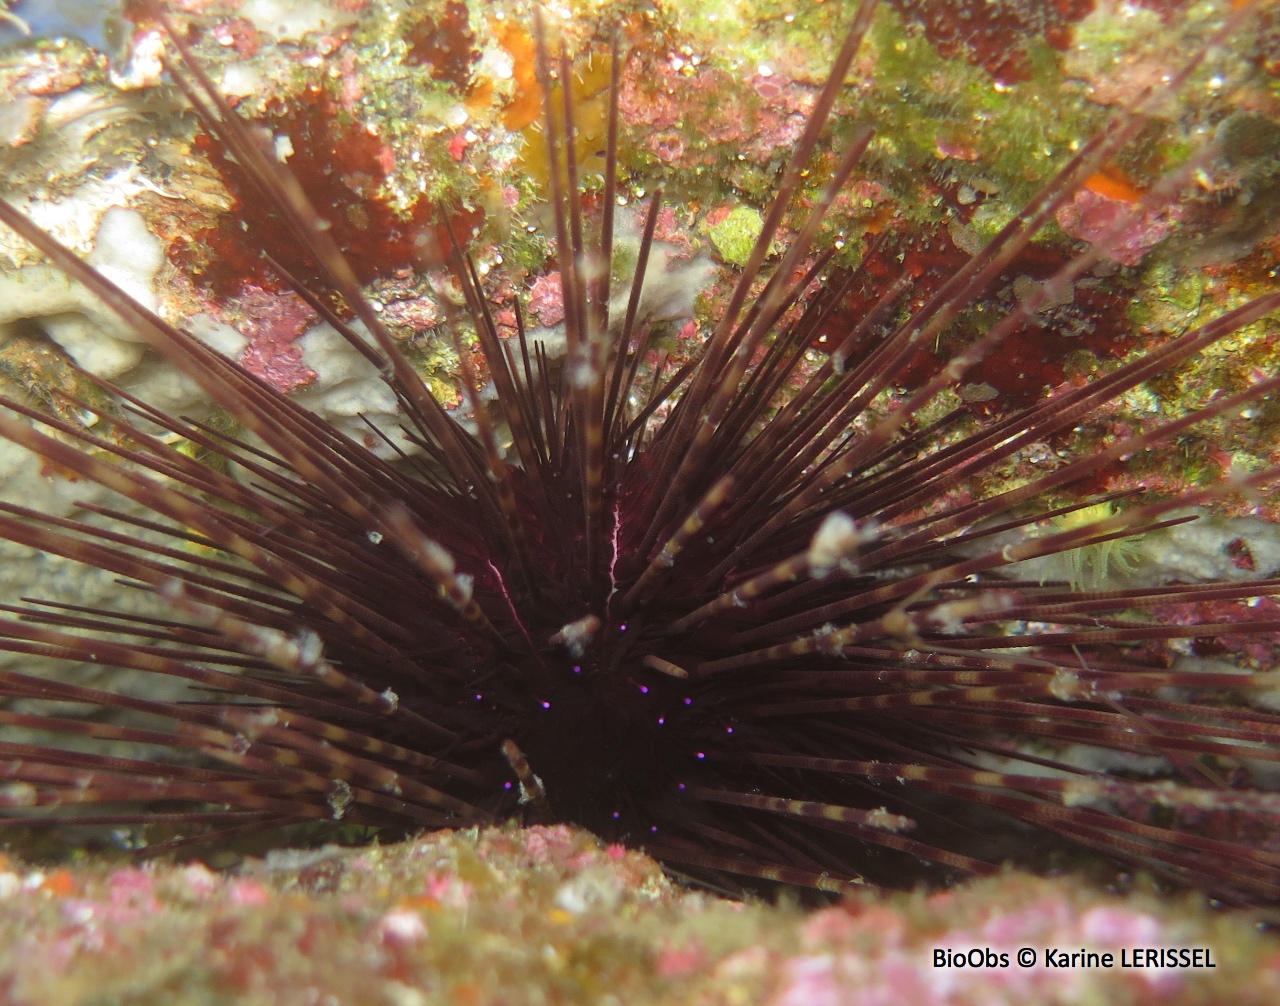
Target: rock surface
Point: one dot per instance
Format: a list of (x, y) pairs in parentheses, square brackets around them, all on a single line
[(547, 914)]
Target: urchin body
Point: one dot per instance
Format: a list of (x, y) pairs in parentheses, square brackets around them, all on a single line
[(718, 611)]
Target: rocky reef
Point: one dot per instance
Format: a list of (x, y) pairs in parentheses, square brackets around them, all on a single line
[(549, 915), (417, 124)]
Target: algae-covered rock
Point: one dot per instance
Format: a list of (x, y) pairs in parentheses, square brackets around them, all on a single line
[(547, 914)]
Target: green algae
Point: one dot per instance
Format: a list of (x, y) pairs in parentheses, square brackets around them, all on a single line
[(735, 236)]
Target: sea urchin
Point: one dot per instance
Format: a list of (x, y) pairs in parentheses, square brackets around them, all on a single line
[(730, 612)]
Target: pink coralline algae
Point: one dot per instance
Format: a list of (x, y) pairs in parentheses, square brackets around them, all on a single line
[(780, 121), (1261, 649), (458, 146), (247, 892), (547, 914), (677, 961), (271, 322), (546, 299), (279, 364), (132, 895), (240, 34), (671, 231), (759, 114), (1090, 216), (669, 147), (871, 958), (542, 842), (416, 313)]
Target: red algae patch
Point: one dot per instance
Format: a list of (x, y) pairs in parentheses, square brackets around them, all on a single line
[(548, 914), (341, 164), (1036, 356), (994, 33)]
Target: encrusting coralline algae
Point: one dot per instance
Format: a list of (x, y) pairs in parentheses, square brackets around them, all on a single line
[(547, 914)]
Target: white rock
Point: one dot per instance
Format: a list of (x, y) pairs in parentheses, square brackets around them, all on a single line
[(158, 383), (127, 254), (1194, 552), (240, 81), (92, 349), (348, 390), (292, 19), (1199, 550), (671, 283)]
